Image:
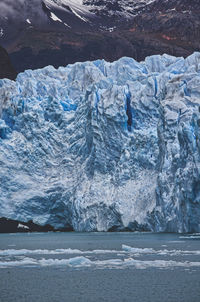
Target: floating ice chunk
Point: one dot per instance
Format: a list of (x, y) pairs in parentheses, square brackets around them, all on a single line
[(79, 261), (23, 262), (189, 237), (139, 264), (133, 250), (140, 251), (125, 249), (109, 263), (69, 251), (13, 252), (73, 262)]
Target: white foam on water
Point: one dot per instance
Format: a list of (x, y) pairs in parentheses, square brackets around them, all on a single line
[(125, 250), (23, 262), (160, 264), (190, 237), (174, 241), (81, 261), (74, 262), (136, 250), (69, 251), (150, 251)]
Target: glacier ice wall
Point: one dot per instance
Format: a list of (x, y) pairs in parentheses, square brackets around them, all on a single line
[(103, 146)]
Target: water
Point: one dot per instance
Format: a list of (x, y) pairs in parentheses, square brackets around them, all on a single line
[(88, 267)]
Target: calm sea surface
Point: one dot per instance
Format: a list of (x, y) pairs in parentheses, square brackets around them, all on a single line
[(90, 267)]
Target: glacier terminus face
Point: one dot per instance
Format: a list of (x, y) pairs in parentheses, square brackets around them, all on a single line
[(103, 146)]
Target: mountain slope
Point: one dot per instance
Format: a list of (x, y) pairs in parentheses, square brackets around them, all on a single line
[(6, 69), (39, 33)]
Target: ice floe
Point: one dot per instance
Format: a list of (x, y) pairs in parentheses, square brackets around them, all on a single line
[(110, 263)]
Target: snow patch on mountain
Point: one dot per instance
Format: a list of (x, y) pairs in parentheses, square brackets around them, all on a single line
[(55, 18), (28, 21), (1, 32), (76, 14), (121, 8)]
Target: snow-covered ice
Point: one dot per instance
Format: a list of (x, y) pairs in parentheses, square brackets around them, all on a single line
[(103, 146)]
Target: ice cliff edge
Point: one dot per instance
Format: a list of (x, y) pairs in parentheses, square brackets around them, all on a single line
[(103, 146)]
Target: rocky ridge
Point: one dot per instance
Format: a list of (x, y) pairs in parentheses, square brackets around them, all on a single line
[(52, 32), (6, 68)]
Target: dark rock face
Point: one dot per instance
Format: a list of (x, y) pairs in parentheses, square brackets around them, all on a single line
[(15, 226), (142, 29), (6, 69), (176, 19), (88, 47), (100, 29)]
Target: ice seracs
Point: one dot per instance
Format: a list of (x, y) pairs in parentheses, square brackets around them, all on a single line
[(103, 146)]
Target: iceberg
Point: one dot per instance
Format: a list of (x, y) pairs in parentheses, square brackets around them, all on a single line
[(101, 146)]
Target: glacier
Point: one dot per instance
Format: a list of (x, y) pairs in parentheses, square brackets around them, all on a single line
[(100, 146)]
